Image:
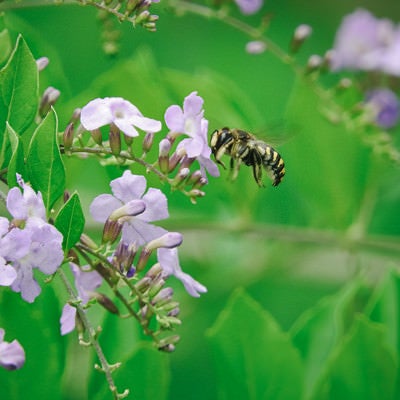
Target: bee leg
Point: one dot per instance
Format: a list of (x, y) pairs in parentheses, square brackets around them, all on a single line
[(257, 170), (235, 164)]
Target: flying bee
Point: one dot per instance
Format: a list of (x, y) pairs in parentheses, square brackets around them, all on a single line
[(244, 147)]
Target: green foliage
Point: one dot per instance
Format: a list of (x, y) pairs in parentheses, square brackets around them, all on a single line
[(46, 174), (254, 359), (70, 221)]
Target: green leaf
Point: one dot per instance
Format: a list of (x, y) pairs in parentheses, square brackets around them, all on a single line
[(19, 89), (254, 359), (36, 327), (385, 308), (317, 332), (44, 163), (70, 221), (145, 374), (5, 41), (17, 162), (361, 368)]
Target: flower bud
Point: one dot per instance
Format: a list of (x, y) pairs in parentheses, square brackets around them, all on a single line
[(168, 240), (68, 136), (163, 297), (180, 177), (194, 193), (256, 47), (156, 286), (314, 63), (76, 115), (174, 160), (143, 284), (123, 257), (155, 271), (167, 344), (148, 141), (88, 242), (163, 155), (111, 231), (42, 63), (195, 177), (97, 136), (301, 33), (49, 98), (174, 312), (106, 302), (130, 209), (115, 140)]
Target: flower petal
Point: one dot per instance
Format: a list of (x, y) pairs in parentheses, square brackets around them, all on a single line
[(12, 355), (102, 206), (128, 187), (67, 320), (156, 206), (174, 119), (146, 124), (7, 273), (95, 114)]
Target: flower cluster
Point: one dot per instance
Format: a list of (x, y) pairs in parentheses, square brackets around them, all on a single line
[(366, 43), (123, 117), (137, 228), (27, 243)]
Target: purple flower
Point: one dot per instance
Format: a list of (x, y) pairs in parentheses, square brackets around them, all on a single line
[(169, 261), (361, 41), (385, 107), (120, 112), (190, 121), (12, 355), (390, 61), (248, 7), (135, 228), (86, 281), (45, 253), (37, 245)]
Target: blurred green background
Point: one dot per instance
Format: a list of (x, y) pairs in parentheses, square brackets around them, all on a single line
[(287, 246)]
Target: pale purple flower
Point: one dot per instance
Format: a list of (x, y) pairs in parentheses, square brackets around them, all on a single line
[(169, 261), (361, 41), (26, 204), (248, 7), (135, 228), (187, 120), (86, 281), (385, 107), (45, 253), (37, 245), (120, 112), (390, 60), (190, 121), (12, 355)]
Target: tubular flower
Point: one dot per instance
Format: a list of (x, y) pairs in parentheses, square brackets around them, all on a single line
[(118, 111), (136, 228)]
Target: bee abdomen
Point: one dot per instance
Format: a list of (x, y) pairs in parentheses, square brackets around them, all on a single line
[(273, 162)]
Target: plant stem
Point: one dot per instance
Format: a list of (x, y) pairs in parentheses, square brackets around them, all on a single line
[(105, 366)]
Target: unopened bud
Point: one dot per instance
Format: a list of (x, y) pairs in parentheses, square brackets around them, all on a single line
[(97, 136), (148, 141), (301, 33), (156, 286), (168, 240), (76, 115), (256, 47), (155, 271), (68, 136), (174, 160), (143, 284), (143, 16), (180, 177), (124, 256), (42, 63), (164, 343), (115, 140), (163, 297), (88, 242), (130, 209), (49, 98), (314, 63), (174, 312), (111, 231), (195, 177), (163, 155), (106, 303)]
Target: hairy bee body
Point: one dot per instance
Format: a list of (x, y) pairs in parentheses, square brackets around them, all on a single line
[(244, 147)]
